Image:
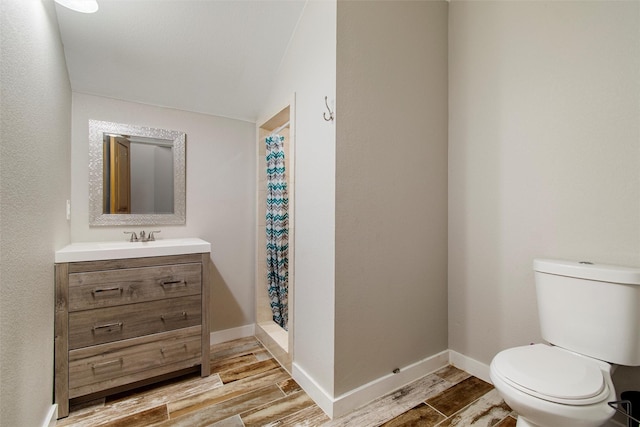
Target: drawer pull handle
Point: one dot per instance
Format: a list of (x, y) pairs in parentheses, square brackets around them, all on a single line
[(99, 291), (180, 316), (108, 364), (108, 326), (173, 283), (164, 350)]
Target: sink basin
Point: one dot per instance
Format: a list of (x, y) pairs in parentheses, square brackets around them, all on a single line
[(153, 244), (95, 251)]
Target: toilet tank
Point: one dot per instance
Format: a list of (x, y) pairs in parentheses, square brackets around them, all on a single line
[(591, 309)]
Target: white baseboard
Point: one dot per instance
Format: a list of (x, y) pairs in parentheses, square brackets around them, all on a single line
[(347, 402), (225, 335), (337, 406), (472, 366), (366, 393), (52, 416), (313, 389)]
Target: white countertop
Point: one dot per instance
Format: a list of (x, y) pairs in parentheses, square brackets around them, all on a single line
[(95, 251)]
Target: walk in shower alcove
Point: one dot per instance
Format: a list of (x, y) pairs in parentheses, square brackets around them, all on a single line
[(277, 340)]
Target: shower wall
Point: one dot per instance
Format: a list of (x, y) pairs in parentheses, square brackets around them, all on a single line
[(276, 339), (308, 70)]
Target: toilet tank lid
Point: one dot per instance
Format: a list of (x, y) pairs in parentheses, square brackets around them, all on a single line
[(588, 270)]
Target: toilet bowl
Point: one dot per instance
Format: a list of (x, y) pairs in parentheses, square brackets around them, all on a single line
[(588, 317), (550, 387)]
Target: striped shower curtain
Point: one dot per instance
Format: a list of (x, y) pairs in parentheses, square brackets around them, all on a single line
[(277, 228)]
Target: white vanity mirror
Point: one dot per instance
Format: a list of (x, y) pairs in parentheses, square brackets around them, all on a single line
[(136, 175)]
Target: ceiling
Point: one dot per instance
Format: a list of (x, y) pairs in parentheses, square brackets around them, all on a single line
[(216, 57)]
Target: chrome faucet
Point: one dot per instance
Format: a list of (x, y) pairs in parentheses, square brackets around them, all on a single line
[(143, 236), (134, 237)]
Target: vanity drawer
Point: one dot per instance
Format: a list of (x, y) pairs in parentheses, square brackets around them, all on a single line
[(102, 325), (105, 366), (88, 290)]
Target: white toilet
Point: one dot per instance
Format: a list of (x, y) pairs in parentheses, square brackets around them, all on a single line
[(590, 315)]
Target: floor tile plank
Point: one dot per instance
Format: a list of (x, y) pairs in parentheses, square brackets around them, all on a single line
[(422, 415), (289, 386), (235, 348), (276, 410), (162, 392), (311, 416), (137, 419), (181, 406), (223, 410), (459, 396), (234, 421), (141, 399), (394, 404), (452, 374), (248, 370), (262, 355), (507, 422), (233, 362), (487, 411)]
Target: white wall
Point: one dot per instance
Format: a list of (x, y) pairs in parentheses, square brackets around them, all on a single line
[(35, 121), (391, 188), (544, 155), (220, 194), (309, 70)]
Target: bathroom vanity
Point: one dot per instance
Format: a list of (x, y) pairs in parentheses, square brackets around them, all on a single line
[(129, 314)]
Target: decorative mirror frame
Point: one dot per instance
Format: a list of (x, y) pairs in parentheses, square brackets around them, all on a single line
[(96, 215)]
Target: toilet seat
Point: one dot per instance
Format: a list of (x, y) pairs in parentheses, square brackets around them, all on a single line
[(552, 374)]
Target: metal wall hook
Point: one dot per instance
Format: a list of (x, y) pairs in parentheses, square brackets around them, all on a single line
[(325, 113)]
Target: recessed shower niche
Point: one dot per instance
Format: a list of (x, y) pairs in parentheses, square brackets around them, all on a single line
[(275, 234)]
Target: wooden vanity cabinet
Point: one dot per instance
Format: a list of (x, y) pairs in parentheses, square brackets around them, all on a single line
[(128, 322)]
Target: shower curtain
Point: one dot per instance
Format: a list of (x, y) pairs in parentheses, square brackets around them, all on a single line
[(277, 228)]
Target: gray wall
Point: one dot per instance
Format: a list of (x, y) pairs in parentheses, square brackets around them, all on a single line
[(35, 121), (391, 188), (544, 154)]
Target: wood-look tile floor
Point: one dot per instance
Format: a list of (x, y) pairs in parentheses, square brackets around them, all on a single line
[(248, 388)]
